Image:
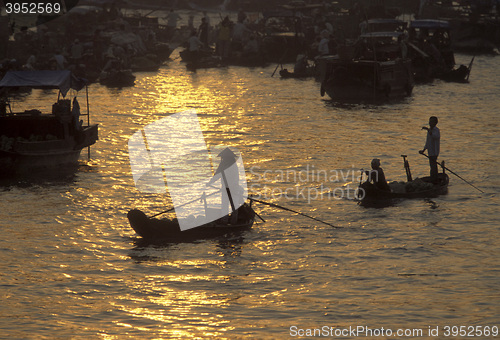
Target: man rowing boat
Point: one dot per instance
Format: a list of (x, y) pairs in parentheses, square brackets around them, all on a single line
[(231, 191), (432, 144)]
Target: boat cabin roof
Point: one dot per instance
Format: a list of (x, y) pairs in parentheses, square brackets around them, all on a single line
[(427, 23), (375, 35), (62, 80)]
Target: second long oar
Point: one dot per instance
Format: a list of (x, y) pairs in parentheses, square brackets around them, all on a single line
[(291, 210), (196, 199)]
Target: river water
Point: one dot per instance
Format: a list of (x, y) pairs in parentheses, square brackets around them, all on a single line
[(71, 267)]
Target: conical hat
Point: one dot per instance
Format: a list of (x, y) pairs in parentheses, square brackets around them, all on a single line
[(227, 153)]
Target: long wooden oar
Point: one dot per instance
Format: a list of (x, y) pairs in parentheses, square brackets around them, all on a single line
[(280, 62), (463, 179), (294, 211), (272, 75)]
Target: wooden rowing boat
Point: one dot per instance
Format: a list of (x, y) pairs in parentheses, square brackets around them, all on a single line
[(168, 231), (368, 192)]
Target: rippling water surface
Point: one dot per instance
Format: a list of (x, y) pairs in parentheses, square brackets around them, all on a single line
[(71, 267)]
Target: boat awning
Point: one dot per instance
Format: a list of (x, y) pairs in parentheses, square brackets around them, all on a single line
[(62, 80), (428, 23)]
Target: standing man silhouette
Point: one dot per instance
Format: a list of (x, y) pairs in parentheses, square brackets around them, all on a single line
[(432, 144), (231, 191)]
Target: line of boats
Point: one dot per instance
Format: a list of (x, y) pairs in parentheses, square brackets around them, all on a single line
[(385, 65), (385, 62)]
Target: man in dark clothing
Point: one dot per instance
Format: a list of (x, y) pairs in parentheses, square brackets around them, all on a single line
[(203, 31), (377, 176), (231, 191)]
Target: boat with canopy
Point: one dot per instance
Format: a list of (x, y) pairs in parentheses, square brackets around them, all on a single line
[(30, 140)]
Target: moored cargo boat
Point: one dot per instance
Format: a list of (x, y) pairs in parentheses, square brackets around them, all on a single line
[(33, 141), (373, 69)]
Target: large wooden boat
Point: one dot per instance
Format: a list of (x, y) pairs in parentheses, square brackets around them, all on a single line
[(167, 230), (31, 140), (372, 69), (431, 52)]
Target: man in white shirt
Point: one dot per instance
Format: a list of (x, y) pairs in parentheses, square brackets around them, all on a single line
[(76, 51), (432, 144), (240, 34)]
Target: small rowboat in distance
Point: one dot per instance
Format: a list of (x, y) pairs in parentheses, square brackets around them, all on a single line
[(168, 231)]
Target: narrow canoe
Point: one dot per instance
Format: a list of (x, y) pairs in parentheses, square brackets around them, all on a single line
[(167, 230)]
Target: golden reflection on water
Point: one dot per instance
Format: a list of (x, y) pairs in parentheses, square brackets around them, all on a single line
[(177, 307), (218, 105)]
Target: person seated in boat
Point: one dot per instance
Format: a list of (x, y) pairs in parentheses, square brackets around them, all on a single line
[(59, 61), (301, 64), (194, 47), (251, 48), (194, 43), (377, 176)]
